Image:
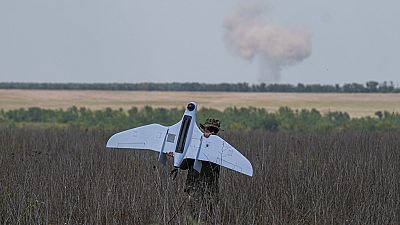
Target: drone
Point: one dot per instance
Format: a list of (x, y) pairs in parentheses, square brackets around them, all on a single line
[(185, 141)]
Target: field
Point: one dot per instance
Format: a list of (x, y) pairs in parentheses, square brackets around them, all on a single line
[(66, 176), (355, 104)]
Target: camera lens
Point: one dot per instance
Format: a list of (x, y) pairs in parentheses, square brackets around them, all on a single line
[(191, 107)]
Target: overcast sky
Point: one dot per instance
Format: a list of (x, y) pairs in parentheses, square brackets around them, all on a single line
[(185, 40)]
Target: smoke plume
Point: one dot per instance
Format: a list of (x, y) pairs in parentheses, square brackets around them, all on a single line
[(253, 36)]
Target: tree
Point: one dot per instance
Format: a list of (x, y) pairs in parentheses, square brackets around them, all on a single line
[(372, 86)]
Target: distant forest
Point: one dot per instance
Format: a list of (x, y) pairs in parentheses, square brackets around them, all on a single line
[(233, 118), (369, 87)]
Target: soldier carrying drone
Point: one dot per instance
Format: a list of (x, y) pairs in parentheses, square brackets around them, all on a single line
[(200, 153)]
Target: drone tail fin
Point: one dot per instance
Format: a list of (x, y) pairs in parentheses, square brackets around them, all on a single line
[(162, 158), (197, 165)]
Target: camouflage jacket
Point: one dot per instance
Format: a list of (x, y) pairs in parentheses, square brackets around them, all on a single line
[(205, 182)]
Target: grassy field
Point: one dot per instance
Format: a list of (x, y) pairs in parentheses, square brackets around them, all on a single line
[(66, 176), (355, 104)]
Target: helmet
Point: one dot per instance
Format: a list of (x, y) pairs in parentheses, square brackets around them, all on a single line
[(211, 124)]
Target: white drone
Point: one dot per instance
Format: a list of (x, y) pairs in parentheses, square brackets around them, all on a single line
[(185, 140)]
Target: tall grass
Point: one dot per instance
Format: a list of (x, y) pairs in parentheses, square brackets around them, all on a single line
[(66, 176)]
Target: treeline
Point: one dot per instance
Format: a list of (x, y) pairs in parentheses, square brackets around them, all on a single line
[(369, 87), (232, 118)]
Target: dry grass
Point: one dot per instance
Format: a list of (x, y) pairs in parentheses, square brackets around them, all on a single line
[(66, 176), (355, 104)]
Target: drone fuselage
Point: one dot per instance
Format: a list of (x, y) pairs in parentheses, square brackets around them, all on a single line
[(185, 134)]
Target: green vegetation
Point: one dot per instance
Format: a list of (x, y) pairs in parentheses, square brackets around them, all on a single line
[(249, 118), (369, 87)]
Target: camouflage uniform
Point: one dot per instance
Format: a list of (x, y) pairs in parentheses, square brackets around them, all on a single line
[(202, 188)]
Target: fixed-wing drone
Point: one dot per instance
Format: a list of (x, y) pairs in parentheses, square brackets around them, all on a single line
[(185, 140)]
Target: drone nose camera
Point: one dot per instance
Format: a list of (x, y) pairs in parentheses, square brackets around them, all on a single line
[(191, 107)]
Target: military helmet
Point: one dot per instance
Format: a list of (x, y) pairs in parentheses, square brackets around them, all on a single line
[(214, 124)]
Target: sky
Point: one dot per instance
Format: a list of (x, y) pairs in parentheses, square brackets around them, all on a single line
[(330, 42)]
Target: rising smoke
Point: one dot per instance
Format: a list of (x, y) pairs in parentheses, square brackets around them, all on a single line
[(252, 36)]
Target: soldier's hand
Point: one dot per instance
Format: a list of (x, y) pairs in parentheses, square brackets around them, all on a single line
[(207, 135), (170, 155)]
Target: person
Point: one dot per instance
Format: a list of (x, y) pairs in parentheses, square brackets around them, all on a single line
[(203, 188)]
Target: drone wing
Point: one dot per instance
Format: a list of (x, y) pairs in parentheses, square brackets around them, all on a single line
[(146, 137), (215, 149)]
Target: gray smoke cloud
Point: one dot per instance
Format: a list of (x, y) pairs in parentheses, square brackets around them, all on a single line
[(253, 36)]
